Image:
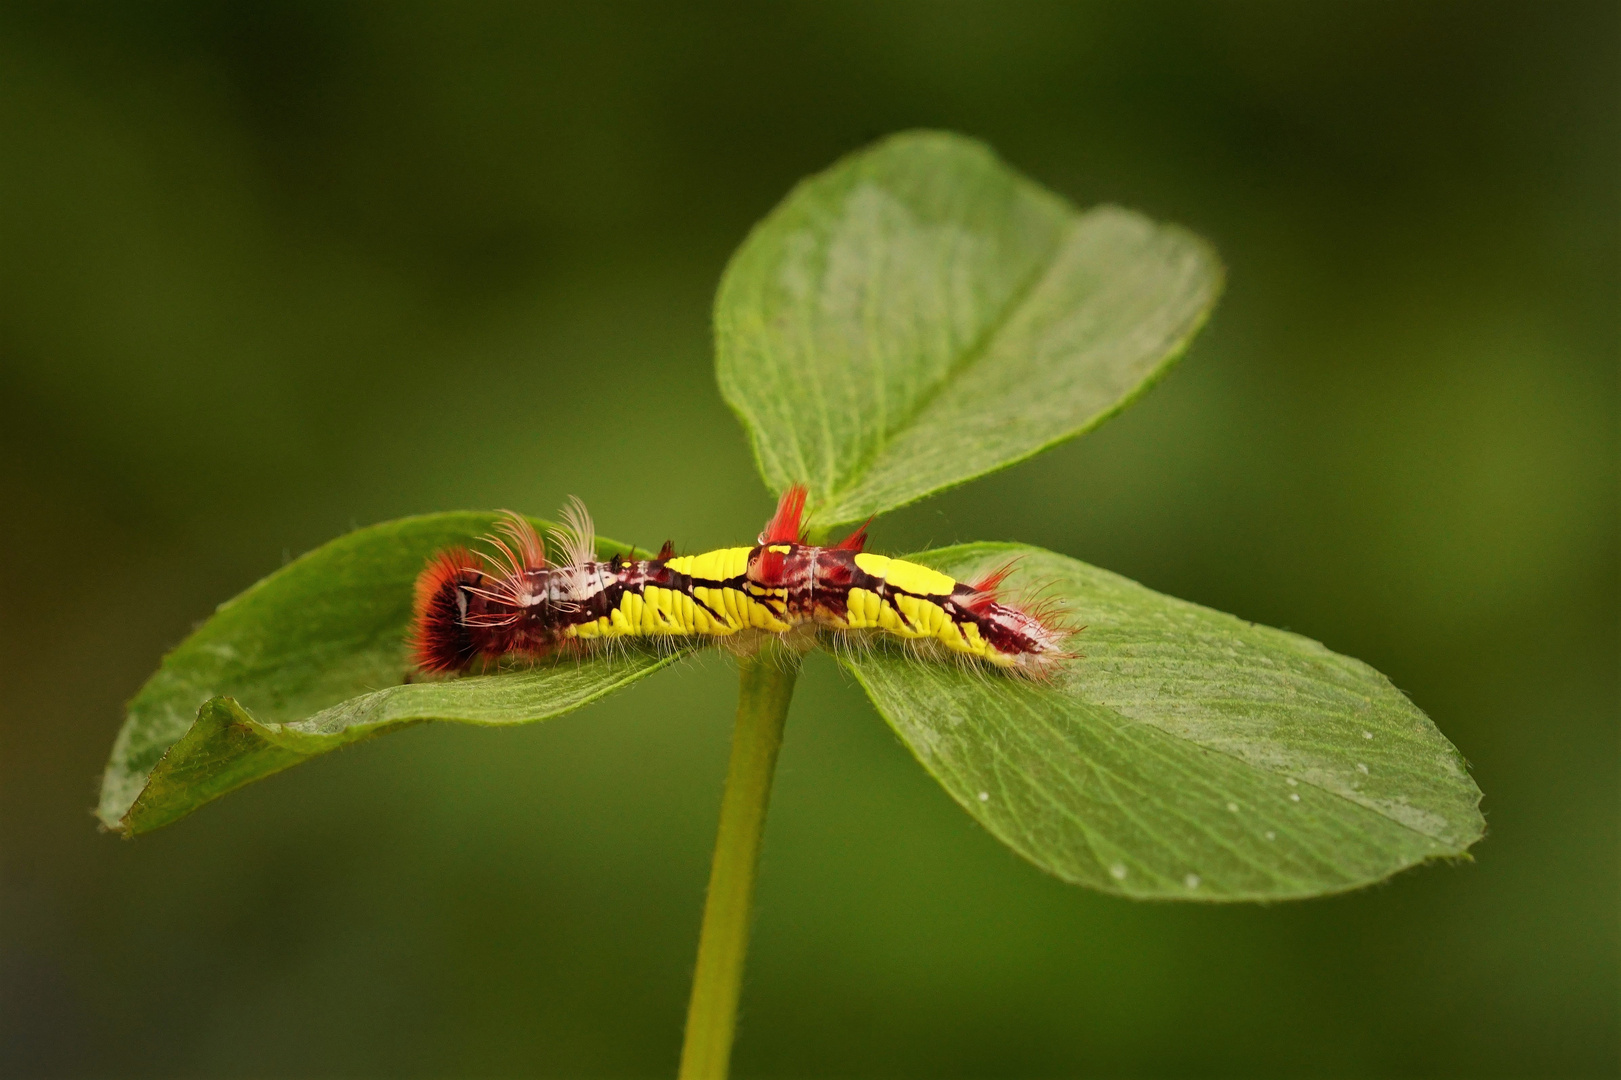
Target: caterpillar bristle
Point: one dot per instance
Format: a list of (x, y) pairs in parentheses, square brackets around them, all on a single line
[(531, 553), (576, 537), (1052, 614)]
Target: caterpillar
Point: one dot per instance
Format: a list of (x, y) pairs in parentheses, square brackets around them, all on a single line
[(515, 603)]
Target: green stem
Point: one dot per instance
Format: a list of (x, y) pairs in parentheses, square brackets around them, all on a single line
[(766, 688)]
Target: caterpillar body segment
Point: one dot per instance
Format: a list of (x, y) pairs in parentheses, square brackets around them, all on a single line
[(515, 603), (846, 589), (705, 595)]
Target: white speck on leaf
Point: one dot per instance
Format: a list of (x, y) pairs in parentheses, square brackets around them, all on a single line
[(1367, 734), (1118, 871), (984, 796), (1233, 807), (1361, 768), (1191, 881), (1292, 782), (1270, 835), (1294, 796)]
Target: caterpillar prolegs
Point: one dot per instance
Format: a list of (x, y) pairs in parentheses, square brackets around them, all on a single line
[(515, 603)]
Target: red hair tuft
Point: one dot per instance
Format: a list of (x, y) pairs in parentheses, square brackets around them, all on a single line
[(856, 541), (988, 585), (441, 639), (783, 528)]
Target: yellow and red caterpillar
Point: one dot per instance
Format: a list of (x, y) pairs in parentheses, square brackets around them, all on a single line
[(517, 604)]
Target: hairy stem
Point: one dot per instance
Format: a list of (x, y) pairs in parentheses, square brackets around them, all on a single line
[(766, 687)]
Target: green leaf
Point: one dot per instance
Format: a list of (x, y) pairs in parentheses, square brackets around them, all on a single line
[(920, 314), (1187, 755), (310, 659)]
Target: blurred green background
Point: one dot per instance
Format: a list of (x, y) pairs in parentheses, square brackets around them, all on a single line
[(271, 271)]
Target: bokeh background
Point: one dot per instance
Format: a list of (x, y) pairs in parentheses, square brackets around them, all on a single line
[(271, 271)]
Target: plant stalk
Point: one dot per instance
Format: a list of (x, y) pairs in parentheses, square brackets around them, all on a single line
[(765, 688)]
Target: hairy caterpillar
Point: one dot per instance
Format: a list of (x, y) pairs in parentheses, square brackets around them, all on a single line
[(517, 604)]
